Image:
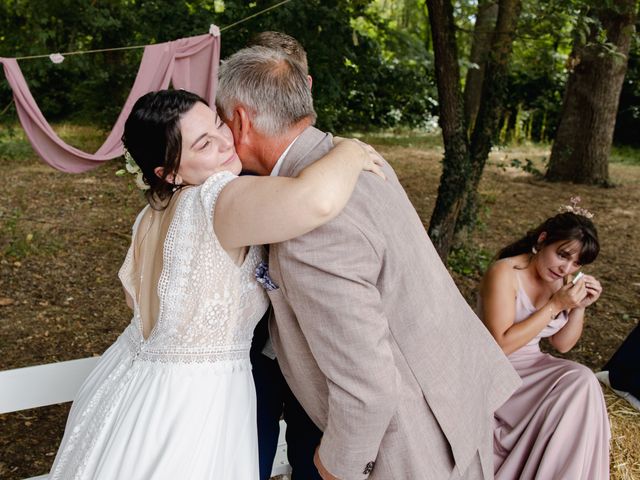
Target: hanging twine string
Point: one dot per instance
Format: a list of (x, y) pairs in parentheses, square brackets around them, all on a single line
[(133, 47), (4, 110), (82, 52), (254, 15)]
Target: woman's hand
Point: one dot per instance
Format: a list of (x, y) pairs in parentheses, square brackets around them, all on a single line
[(372, 160), (593, 291), (571, 296)]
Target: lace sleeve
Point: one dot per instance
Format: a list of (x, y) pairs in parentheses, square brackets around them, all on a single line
[(211, 188)]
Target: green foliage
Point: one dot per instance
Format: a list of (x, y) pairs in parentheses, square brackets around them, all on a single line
[(468, 260), (541, 63), (366, 74), (537, 72), (527, 166), (90, 87), (625, 154), (370, 59), (628, 120), (13, 143)]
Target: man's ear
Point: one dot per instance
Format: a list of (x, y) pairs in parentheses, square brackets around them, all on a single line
[(310, 81), (242, 126)]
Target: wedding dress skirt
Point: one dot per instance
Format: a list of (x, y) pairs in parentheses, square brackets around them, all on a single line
[(141, 419)]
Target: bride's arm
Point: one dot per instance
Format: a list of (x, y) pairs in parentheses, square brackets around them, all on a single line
[(257, 210)]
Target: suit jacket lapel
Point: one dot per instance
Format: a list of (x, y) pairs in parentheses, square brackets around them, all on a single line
[(308, 140)]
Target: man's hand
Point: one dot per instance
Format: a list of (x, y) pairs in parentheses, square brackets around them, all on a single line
[(324, 473)]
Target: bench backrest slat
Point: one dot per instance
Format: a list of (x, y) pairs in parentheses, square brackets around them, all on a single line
[(43, 385)]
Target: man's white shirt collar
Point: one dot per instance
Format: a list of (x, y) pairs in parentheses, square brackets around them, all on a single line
[(268, 350), (276, 168)]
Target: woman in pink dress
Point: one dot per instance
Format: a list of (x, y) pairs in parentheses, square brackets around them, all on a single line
[(555, 426)]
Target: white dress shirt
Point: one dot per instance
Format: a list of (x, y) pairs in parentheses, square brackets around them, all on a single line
[(268, 346)]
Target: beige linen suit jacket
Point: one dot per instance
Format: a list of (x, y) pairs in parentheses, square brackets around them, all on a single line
[(378, 344)]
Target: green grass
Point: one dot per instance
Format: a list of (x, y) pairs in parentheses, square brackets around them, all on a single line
[(433, 140), (14, 144), (21, 239), (469, 260), (400, 138), (625, 154)]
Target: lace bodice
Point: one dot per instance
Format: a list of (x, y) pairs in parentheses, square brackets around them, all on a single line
[(208, 305)]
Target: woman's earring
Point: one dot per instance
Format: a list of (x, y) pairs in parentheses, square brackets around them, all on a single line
[(534, 250), (177, 183)]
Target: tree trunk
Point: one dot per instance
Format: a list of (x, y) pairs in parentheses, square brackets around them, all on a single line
[(456, 162), (582, 145), (482, 34), (493, 93)]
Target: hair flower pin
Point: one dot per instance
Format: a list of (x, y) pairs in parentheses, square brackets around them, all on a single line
[(574, 208), (130, 166)]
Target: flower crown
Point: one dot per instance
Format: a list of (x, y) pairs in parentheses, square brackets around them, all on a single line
[(130, 166), (574, 208)]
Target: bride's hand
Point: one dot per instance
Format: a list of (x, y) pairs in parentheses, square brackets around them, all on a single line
[(372, 160)]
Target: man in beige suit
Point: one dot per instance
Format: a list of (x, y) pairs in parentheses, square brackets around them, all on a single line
[(370, 330)]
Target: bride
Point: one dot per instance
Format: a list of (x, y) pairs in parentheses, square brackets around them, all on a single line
[(173, 397)]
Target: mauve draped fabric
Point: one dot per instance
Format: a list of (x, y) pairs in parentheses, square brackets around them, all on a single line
[(189, 63)]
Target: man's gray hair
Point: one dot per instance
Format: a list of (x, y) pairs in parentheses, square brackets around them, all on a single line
[(272, 87)]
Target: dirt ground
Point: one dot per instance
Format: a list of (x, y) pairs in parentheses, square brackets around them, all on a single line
[(63, 238)]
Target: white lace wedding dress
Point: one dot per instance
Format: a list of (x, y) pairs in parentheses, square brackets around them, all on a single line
[(179, 404)]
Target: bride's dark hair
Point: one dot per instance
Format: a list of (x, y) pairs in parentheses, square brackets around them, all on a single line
[(152, 137), (565, 227)]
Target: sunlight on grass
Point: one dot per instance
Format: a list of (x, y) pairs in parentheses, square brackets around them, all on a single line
[(625, 154), (401, 138), (14, 144)]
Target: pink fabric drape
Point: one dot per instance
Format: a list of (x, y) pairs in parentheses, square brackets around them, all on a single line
[(189, 63)]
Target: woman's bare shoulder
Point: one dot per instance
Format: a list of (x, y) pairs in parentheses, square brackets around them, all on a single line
[(502, 267), (503, 272)]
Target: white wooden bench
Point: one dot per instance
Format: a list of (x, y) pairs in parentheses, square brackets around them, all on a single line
[(42, 385)]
